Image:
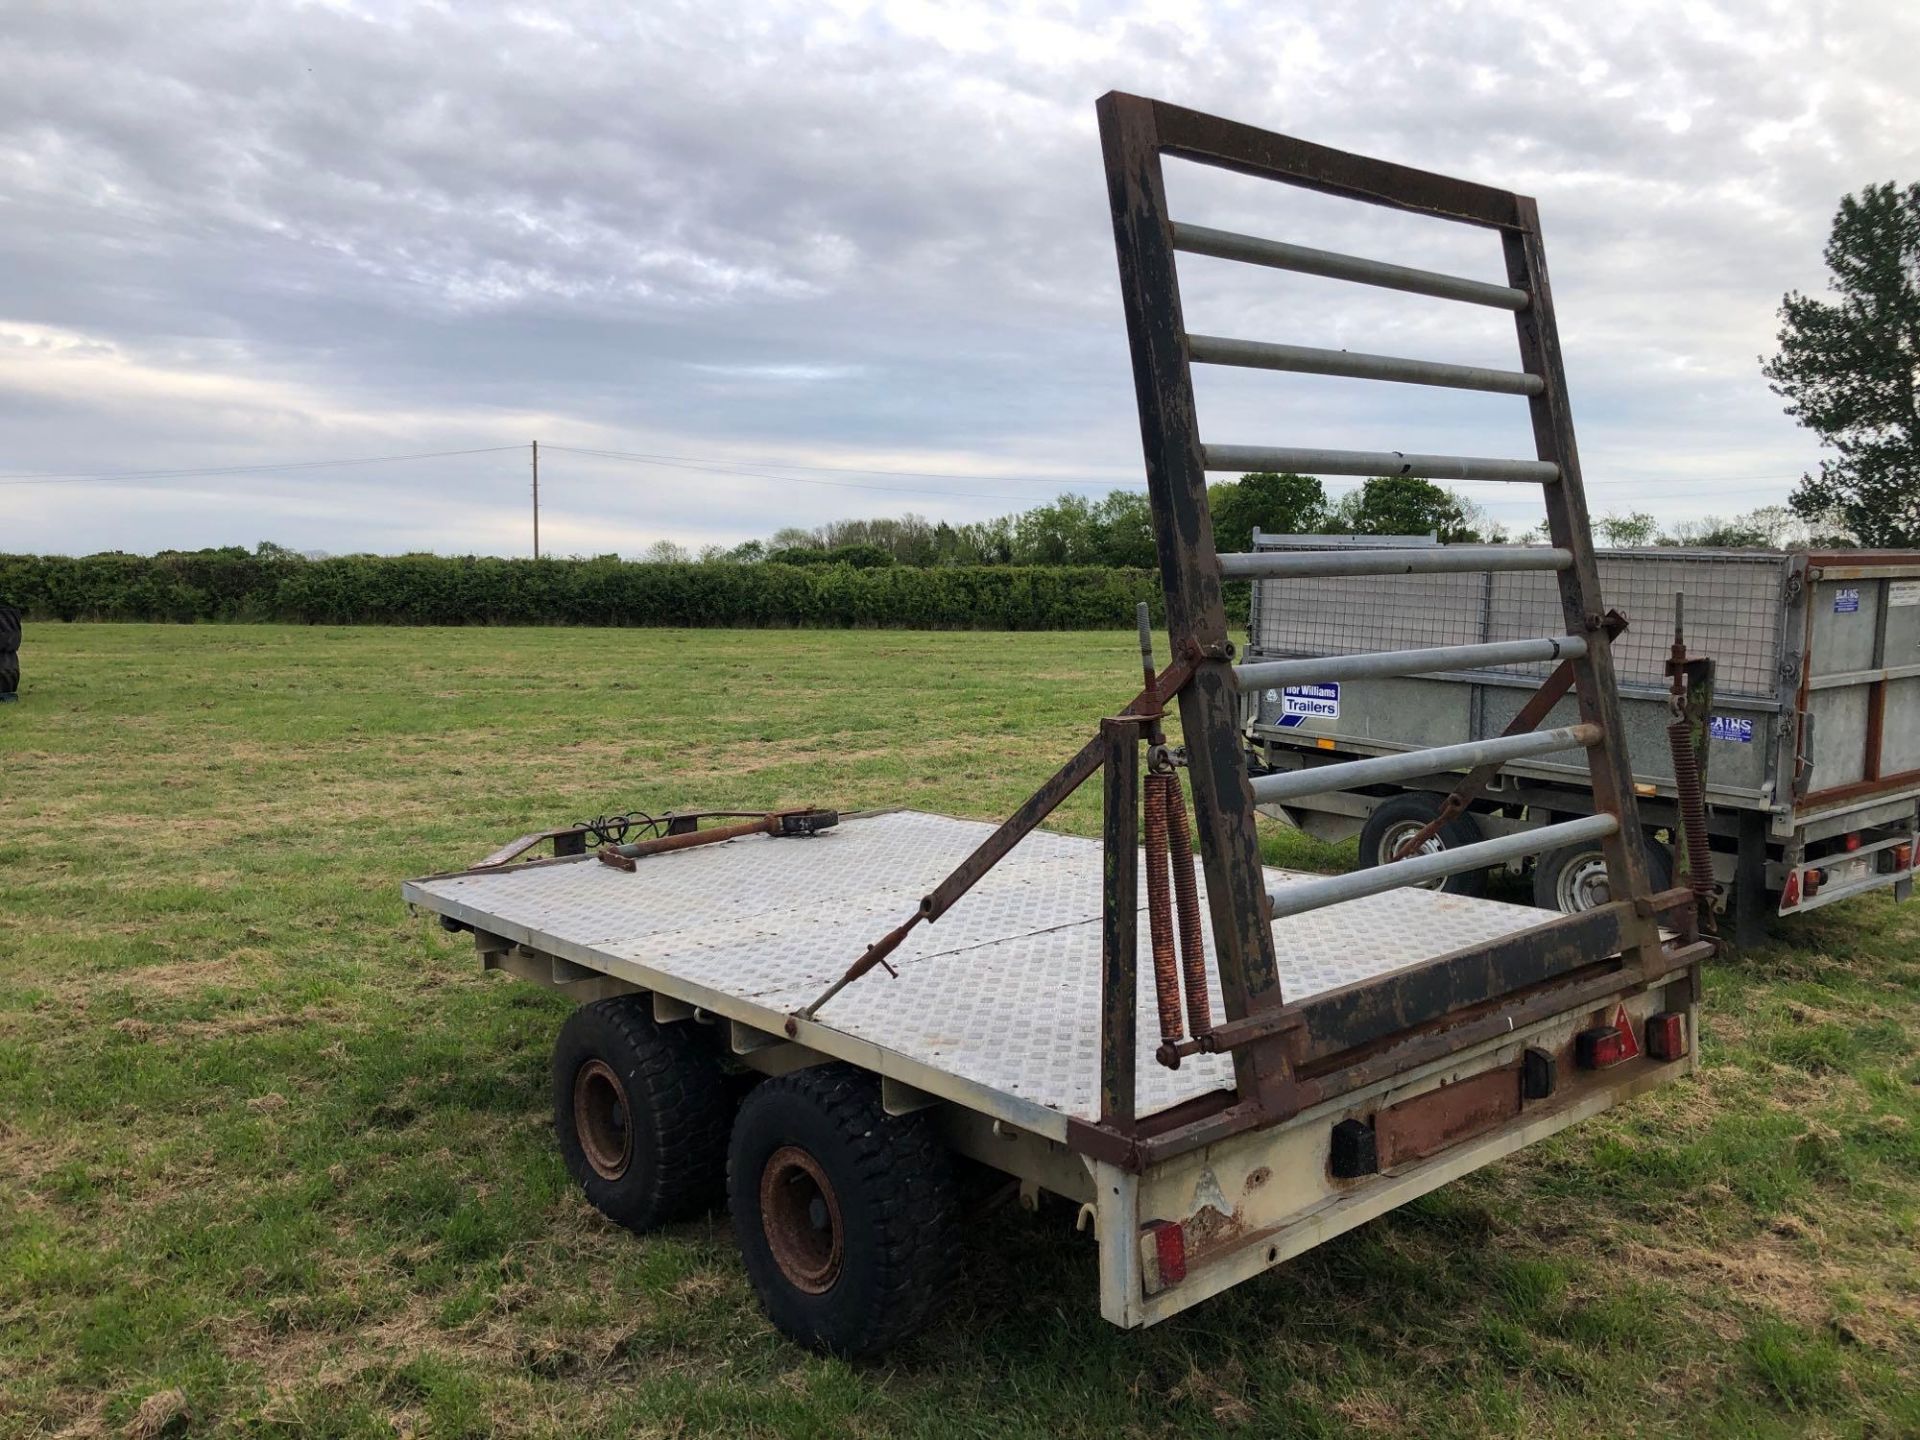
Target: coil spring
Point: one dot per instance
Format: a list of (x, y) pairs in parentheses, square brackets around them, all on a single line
[(1186, 897), (1693, 810), (1166, 980)]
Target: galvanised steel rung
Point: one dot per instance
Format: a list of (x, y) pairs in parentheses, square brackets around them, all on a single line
[(1423, 560), (1372, 664), (1375, 462), (1319, 779), (1225, 245), (1307, 360), (1305, 895)]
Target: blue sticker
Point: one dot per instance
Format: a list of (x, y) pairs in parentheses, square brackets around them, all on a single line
[(1846, 601), (1728, 727), (1301, 703)]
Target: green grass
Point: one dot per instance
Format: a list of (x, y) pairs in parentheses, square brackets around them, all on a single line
[(271, 1144)]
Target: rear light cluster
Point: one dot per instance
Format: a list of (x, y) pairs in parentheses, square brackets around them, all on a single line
[(1807, 883), (1354, 1148), (1801, 885), (1608, 1045)]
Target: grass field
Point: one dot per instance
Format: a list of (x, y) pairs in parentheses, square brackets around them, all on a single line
[(275, 1157)]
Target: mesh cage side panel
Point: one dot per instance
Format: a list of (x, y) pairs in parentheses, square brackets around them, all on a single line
[(1733, 613)]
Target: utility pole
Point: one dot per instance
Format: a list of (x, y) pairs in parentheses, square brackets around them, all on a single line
[(536, 499)]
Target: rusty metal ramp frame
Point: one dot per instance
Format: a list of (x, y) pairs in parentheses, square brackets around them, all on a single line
[(1277, 1033)]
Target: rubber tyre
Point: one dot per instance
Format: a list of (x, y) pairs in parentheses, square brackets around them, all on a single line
[(1558, 885), (9, 673), (9, 628), (895, 1198), (1395, 819), (675, 1107)]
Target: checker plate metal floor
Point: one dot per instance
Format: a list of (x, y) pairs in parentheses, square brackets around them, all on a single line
[(1003, 992)]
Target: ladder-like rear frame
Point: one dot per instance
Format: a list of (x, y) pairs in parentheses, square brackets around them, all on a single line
[(1271, 1039)]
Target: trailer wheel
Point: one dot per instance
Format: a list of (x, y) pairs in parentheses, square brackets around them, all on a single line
[(847, 1218), (641, 1110), (1574, 877), (1394, 821)]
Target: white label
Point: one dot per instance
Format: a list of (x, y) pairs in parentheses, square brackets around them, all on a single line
[(1311, 702), (1904, 592)]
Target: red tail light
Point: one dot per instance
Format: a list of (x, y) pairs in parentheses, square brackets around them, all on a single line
[(1853, 841), (1903, 857), (1606, 1045), (1815, 879), (1598, 1048), (1165, 1254), (1667, 1035)]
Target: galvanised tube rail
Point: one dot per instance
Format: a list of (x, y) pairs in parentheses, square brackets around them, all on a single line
[(1225, 245), (1319, 779), (1305, 895), (1375, 462), (1355, 365), (1373, 664), (1426, 560)]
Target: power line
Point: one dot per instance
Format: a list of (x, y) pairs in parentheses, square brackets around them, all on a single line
[(712, 468), (81, 477), (707, 465), (834, 469), (1048, 480)]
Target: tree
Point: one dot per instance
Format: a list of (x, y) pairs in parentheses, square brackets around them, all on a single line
[(1627, 531), (1060, 533), (1403, 505), (1263, 500), (1713, 532), (1848, 369)]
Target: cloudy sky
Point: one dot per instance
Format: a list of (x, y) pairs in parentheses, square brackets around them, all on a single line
[(814, 260)]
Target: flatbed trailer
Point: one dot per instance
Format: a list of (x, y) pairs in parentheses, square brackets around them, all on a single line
[(991, 1031), (835, 1020)]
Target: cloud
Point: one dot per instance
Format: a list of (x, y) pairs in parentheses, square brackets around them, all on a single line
[(854, 234)]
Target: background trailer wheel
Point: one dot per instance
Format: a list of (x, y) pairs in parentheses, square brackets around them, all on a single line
[(1574, 877), (641, 1110), (847, 1217), (1394, 821)]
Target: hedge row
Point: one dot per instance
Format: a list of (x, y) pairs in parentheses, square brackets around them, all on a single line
[(469, 590)]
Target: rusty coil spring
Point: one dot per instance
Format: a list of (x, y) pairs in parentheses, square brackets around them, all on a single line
[(1693, 811), (1166, 981), (1186, 896)]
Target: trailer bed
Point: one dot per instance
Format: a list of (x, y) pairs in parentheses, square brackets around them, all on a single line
[(996, 1007)]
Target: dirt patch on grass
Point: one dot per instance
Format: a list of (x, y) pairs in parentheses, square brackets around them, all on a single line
[(182, 977), (1371, 1414), (33, 1157), (1765, 1270), (1774, 1271)]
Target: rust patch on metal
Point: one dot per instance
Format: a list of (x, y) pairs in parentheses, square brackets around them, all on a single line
[(1211, 1232), (1257, 1179), (1429, 1123), (800, 1214)]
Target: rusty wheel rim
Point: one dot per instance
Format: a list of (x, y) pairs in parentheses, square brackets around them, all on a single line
[(602, 1119), (801, 1217)]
